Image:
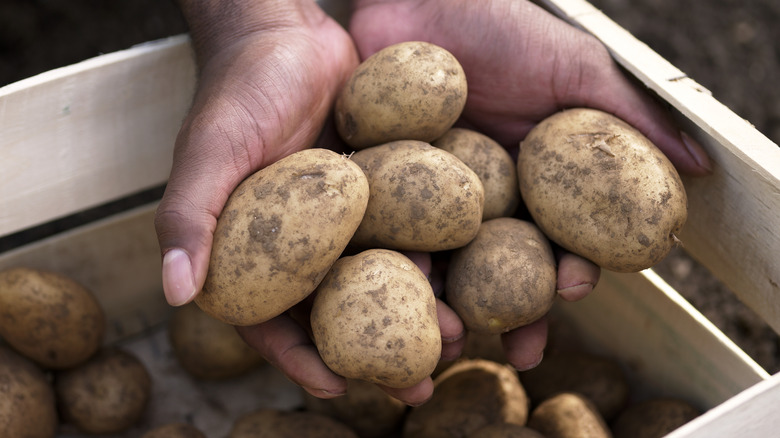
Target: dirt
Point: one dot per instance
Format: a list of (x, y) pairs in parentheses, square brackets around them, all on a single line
[(728, 46)]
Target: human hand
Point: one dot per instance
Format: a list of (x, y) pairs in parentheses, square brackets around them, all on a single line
[(522, 65), (268, 74)]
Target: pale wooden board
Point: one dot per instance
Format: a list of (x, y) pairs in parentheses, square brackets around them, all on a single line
[(668, 346), (752, 413), (733, 227), (91, 132), (117, 258)]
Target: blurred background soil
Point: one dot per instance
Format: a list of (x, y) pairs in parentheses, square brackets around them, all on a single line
[(728, 46)]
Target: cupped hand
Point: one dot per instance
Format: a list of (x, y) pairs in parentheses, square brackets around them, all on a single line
[(264, 91), (523, 64), (268, 77)]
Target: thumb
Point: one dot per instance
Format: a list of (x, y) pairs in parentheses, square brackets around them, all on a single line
[(204, 173)]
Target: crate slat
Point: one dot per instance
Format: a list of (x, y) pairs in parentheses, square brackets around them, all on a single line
[(668, 346), (112, 118)]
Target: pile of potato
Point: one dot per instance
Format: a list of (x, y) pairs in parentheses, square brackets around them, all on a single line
[(54, 368), (340, 227)]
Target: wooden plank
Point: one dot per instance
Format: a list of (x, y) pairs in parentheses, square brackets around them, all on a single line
[(91, 132), (752, 413), (117, 258), (669, 347), (733, 222)]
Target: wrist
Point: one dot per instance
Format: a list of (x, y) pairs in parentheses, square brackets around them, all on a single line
[(215, 25)]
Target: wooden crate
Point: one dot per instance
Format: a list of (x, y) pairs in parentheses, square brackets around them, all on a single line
[(77, 137)]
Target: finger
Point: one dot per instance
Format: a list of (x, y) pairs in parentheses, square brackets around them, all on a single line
[(413, 396), (615, 92), (286, 346), (524, 346), (187, 215), (576, 276), (453, 333)]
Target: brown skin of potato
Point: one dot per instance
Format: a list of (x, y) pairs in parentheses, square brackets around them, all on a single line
[(107, 394), (408, 91), (279, 233), (467, 396), (207, 348), (600, 379), (422, 198), (492, 163), (374, 318), (367, 409), (271, 423), (174, 430), (505, 430), (503, 279), (653, 418), (568, 415), (49, 318), (27, 404), (600, 189)]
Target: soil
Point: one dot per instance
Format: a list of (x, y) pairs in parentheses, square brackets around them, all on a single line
[(728, 46)]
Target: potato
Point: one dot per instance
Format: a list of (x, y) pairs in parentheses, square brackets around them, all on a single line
[(492, 163), (504, 430), (374, 318), (600, 189), (503, 279), (467, 396), (600, 379), (107, 394), (568, 415), (422, 198), (27, 404), (272, 423), (279, 233), (653, 418), (174, 430), (367, 409), (49, 317), (408, 91), (207, 348)]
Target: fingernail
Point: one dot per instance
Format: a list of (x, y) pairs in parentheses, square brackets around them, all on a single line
[(532, 365), (323, 393), (575, 293), (178, 279), (696, 151)]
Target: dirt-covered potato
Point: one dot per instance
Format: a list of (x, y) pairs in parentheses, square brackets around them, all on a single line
[(504, 430), (279, 233), (653, 418), (49, 317), (503, 279), (106, 394), (601, 379), (208, 348), (273, 423), (367, 409), (27, 403), (568, 415), (422, 198), (174, 430), (408, 91), (374, 318), (600, 189), (492, 163), (467, 396)]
